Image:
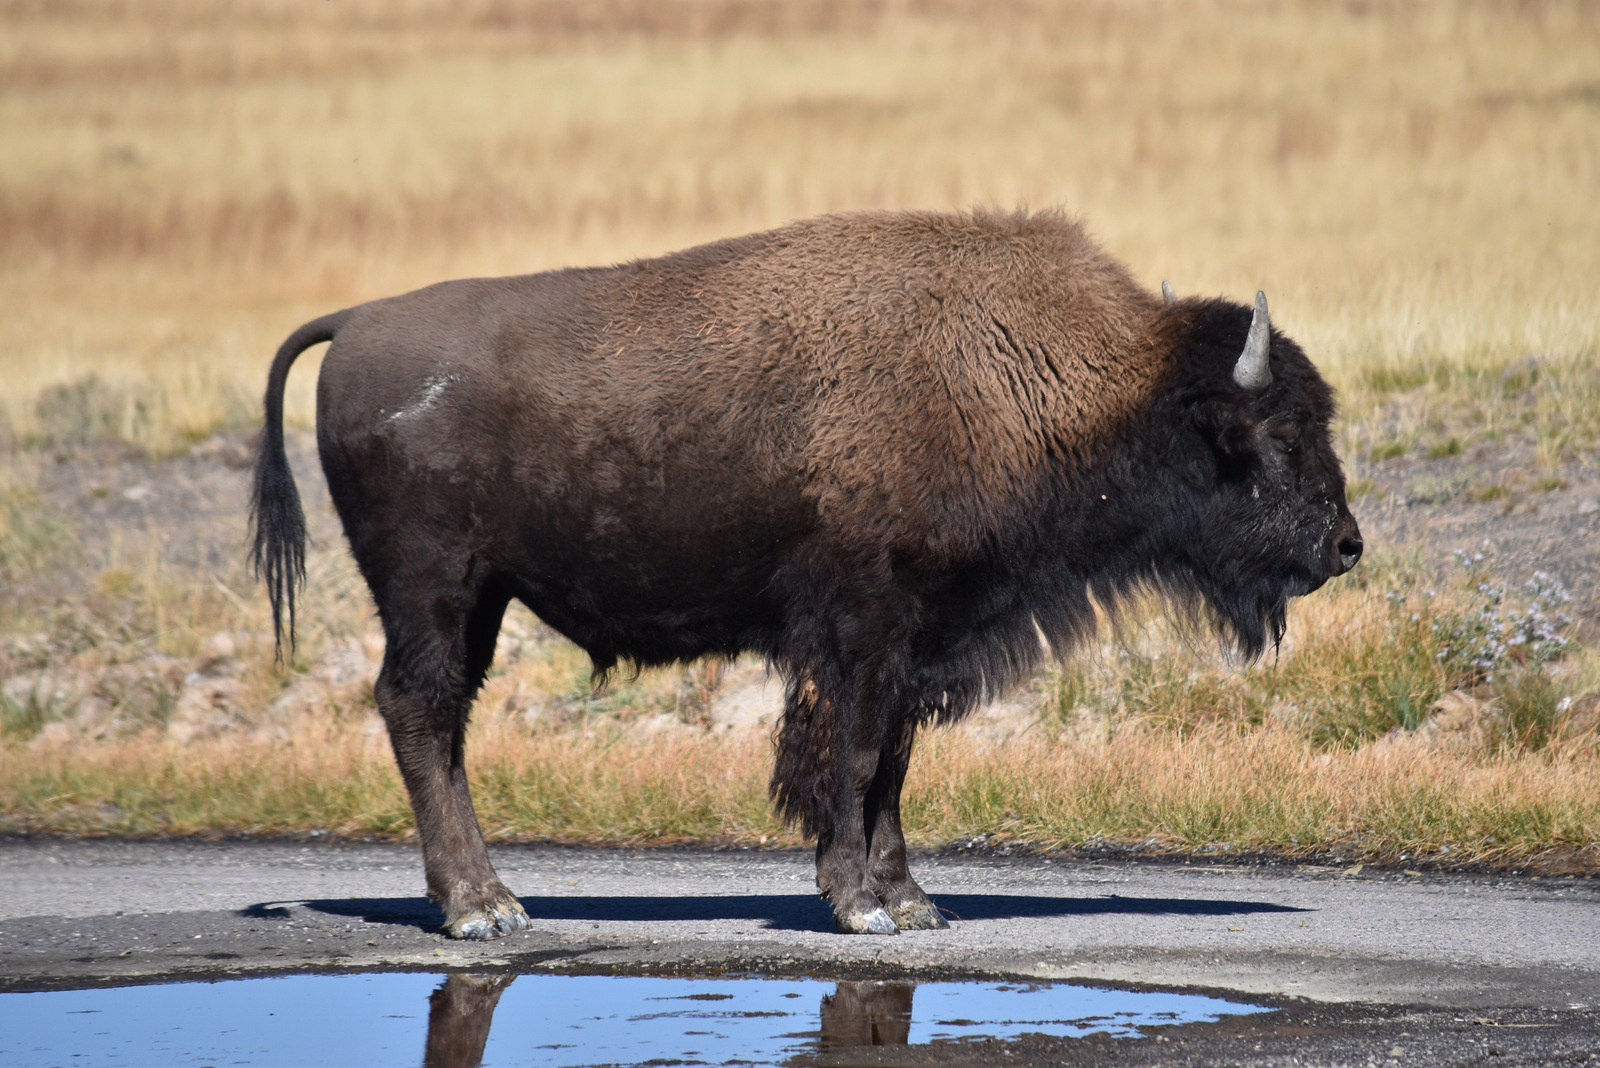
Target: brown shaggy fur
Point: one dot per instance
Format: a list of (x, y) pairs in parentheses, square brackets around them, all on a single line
[(885, 450), (918, 341)]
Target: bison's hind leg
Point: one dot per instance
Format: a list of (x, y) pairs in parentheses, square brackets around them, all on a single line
[(439, 647)]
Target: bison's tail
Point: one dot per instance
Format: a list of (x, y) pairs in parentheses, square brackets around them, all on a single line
[(278, 550)]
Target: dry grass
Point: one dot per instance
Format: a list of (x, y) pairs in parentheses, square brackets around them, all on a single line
[(1365, 658), (183, 183), (1220, 789), (1160, 743), (180, 184)]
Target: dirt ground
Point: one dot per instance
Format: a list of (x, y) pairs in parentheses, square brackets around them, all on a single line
[(192, 508), (1485, 495)]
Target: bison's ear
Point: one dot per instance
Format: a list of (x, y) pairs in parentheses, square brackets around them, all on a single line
[(1237, 437), (1228, 426)]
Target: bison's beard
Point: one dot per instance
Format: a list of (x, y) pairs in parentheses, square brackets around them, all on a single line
[(1248, 615)]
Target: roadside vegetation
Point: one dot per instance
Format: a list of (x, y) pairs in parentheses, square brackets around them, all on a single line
[(1412, 184), (1407, 720)]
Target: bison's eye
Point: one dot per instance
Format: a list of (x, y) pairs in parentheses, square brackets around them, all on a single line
[(1286, 435)]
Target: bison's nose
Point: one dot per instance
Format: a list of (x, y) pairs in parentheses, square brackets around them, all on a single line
[(1349, 551), (1343, 545)]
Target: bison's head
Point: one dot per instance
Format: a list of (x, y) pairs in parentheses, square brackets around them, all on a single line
[(1247, 435)]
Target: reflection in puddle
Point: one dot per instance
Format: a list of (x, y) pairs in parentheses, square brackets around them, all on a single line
[(867, 1014), (552, 1019), (459, 1014)]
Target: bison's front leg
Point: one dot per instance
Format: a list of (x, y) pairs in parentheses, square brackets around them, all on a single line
[(427, 729), (460, 1013), (842, 870), (888, 875)]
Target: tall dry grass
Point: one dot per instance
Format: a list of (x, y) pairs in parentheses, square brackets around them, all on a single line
[(182, 183), (1157, 741), (1221, 789)]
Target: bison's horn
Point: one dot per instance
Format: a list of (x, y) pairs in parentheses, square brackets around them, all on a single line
[(1168, 292), (1251, 371)]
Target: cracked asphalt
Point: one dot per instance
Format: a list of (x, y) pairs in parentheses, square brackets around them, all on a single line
[(1374, 964)]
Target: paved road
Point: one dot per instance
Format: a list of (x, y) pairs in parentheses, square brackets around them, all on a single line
[(1390, 945)]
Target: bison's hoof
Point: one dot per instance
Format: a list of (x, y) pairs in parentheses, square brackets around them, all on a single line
[(875, 922), (497, 922), (918, 916)]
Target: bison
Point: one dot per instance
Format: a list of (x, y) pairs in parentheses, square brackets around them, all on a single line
[(903, 456)]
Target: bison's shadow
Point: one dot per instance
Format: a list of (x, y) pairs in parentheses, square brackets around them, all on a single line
[(786, 912)]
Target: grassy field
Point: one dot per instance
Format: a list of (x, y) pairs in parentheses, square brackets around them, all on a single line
[(1326, 752), (182, 183), (1216, 791)]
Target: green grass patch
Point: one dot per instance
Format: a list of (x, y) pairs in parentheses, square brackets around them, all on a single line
[(1388, 450), (1358, 488), (34, 539), (1437, 489), (1450, 446)]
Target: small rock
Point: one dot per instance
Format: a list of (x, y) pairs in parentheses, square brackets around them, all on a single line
[(138, 492), (204, 708), (1457, 718), (1456, 711), (54, 734), (749, 697), (1527, 367), (1000, 721), (1588, 506), (1089, 727), (1286, 714), (348, 663)]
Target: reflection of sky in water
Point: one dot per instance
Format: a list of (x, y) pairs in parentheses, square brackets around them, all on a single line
[(540, 1020), (1006, 1010)]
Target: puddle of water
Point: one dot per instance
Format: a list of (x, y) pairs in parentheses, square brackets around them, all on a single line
[(459, 1021)]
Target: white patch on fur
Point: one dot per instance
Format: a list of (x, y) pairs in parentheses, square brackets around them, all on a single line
[(432, 390)]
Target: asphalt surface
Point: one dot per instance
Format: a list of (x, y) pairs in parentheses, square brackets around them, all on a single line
[(1362, 965)]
